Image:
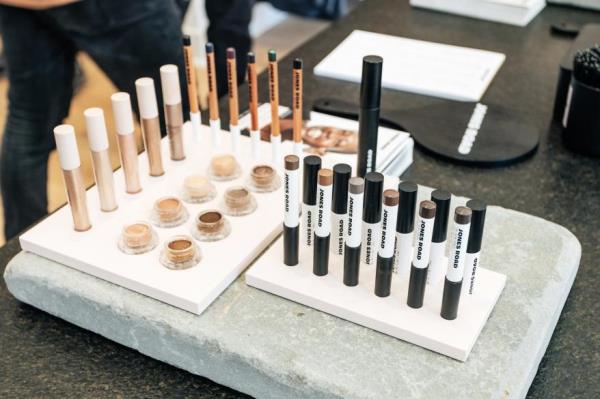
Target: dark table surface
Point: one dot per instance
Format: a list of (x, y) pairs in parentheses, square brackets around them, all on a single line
[(45, 356)]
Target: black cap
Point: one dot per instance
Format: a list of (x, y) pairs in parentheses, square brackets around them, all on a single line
[(186, 40), (440, 226), (251, 58), (373, 195), (341, 175), (272, 56), (297, 63), (478, 208), (209, 48), (312, 164), (406, 211), (370, 86)]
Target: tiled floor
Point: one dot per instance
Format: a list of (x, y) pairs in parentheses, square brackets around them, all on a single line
[(97, 90)]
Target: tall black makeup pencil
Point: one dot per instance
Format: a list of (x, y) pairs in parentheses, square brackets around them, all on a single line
[(437, 266), (385, 256), (353, 231), (323, 223), (312, 165), (456, 263), (478, 209), (371, 229), (339, 207), (404, 228), (368, 117), (420, 263), (291, 187)]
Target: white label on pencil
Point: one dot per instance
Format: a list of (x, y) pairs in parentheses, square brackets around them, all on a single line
[(355, 208), (423, 233), (308, 223), (388, 231), (404, 252), (338, 233), (457, 252), (471, 265), (371, 235), (292, 197), (323, 227)]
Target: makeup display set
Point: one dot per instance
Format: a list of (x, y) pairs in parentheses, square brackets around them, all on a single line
[(181, 228), (362, 250)]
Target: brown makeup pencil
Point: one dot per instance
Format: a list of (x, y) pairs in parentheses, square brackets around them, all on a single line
[(234, 109), (253, 106), (274, 100), (297, 105), (190, 73), (213, 103)]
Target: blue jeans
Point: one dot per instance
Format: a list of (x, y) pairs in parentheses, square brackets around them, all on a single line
[(126, 38)]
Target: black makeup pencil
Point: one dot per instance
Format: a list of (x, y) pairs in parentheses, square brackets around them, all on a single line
[(323, 223), (368, 118), (420, 263)]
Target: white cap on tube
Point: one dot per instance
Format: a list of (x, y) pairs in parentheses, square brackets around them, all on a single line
[(121, 105), (169, 79), (66, 144), (96, 129), (146, 97)]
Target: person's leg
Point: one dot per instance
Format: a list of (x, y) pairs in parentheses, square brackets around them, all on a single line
[(40, 74), (229, 22), (127, 39)]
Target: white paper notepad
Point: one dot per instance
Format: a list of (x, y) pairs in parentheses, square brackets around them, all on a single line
[(433, 69)]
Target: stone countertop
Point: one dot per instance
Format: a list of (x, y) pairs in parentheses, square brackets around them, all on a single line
[(45, 356)]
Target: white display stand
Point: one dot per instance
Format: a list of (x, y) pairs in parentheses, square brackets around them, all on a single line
[(424, 327), (95, 251)]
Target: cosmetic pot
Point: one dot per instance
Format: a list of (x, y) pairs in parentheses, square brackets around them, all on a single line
[(264, 179), (198, 189), (238, 201), (224, 167), (180, 253), (137, 238), (168, 212), (211, 225)]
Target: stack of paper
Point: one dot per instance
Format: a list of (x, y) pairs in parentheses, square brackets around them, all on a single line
[(514, 12), (440, 70)]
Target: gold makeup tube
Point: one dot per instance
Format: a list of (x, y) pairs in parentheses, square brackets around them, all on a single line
[(297, 105), (70, 164), (121, 105), (169, 78), (150, 123), (103, 173)]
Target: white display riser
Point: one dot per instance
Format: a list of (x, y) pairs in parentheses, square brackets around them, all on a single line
[(390, 315), (95, 251)]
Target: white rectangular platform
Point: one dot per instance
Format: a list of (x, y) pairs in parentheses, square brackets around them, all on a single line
[(424, 327), (95, 251)]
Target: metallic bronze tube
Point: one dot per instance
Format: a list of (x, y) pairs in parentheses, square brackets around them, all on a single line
[(104, 180), (174, 120), (129, 161), (77, 199), (151, 134)]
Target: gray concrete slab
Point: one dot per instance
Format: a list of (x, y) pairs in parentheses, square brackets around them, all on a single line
[(269, 347)]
